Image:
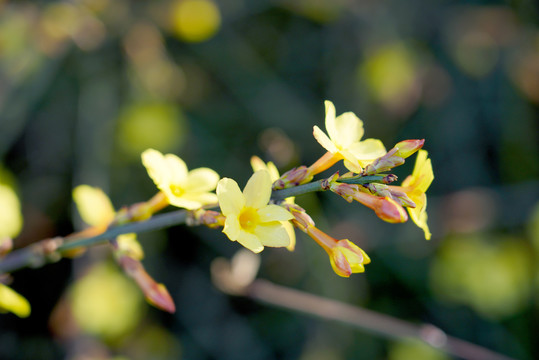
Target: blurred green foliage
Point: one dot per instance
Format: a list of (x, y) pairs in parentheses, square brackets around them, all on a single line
[(85, 85)]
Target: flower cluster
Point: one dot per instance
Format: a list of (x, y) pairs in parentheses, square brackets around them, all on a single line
[(263, 214)]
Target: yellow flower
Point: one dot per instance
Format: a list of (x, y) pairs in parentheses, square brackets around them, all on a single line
[(415, 186), (258, 164), (96, 210), (344, 141), (185, 189), (10, 212), (346, 257), (13, 302), (249, 218)]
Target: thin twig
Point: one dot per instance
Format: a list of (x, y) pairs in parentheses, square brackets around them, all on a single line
[(371, 321)]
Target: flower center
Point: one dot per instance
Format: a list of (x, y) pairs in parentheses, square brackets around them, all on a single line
[(176, 190), (249, 218)]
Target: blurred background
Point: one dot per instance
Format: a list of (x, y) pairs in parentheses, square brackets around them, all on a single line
[(87, 85)]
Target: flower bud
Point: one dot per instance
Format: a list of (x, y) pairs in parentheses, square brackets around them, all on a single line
[(156, 294), (347, 258), (407, 148), (389, 210)]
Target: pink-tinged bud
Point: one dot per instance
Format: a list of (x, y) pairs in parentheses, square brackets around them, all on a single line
[(293, 177), (346, 257), (385, 208), (301, 220), (389, 210), (384, 163), (407, 148), (156, 294), (210, 218), (346, 191)]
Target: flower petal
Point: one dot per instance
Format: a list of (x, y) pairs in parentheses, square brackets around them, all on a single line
[(94, 205), (348, 128), (177, 170), (201, 180), (274, 213), (291, 234), (250, 241), (183, 202), (257, 192), (258, 164), (231, 199), (12, 301), (273, 234), (155, 164), (232, 228), (330, 121), (323, 140), (368, 150)]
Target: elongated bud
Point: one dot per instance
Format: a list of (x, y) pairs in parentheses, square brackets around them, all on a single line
[(407, 148), (385, 208), (210, 218), (392, 192), (392, 212), (301, 220), (293, 177), (156, 294), (384, 163)]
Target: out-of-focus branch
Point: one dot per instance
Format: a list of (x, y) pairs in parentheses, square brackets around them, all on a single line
[(237, 278), (51, 249)]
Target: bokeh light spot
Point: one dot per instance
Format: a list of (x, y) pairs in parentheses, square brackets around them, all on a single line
[(195, 20)]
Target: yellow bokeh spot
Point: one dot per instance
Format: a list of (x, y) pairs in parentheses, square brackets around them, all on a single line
[(106, 303), (412, 349), (493, 276), (10, 212), (150, 125), (195, 20), (390, 73)]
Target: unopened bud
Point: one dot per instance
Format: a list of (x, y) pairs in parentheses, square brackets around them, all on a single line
[(389, 210), (292, 177), (407, 148), (301, 220)]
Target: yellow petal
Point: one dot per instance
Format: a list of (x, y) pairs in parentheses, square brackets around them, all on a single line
[(330, 121), (272, 234), (155, 164), (258, 164), (257, 192), (201, 180), (202, 198), (368, 150), (94, 205), (274, 213), (177, 170), (231, 199), (419, 213), (323, 140), (291, 234), (12, 301), (348, 130), (250, 241), (351, 162), (232, 228)]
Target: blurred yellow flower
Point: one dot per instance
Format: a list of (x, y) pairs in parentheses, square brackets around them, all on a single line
[(344, 141), (258, 164), (96, 210), (13, 302), (10, 212), (106, 303), (415, 186), (249, 218), (195, 20), (185, 189)]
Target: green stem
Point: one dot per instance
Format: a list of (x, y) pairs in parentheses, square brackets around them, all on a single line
[(49, 249)]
